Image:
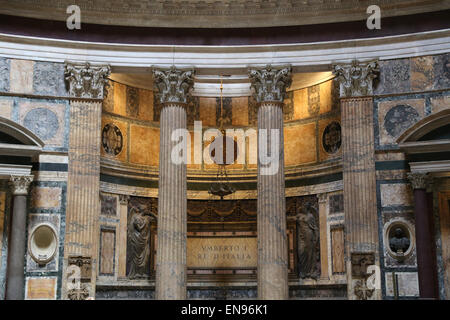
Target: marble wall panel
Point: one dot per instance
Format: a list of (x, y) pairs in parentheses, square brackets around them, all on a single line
[(145, 147), (113, 136), (336, 203), (225, 112), (48, 79), (120, 98), (440, 103), (45, 119), (208, 111), (337, 249), (394, 76), (40, 288), (301, 104), (107, 252), (21, 76), (45, 197), (300, 144), (288, 106), (408, 284), (108, 205), (396, 194), (6, 107), (326, 96), (4, 74), (108, 100), (240, 111), (394, 117), (146, 105), (422, 73), (132, 102), (441, 71)]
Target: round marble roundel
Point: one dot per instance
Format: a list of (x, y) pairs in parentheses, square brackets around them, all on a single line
[(112, 139), (43, 122), (331, 138), (400, 118)]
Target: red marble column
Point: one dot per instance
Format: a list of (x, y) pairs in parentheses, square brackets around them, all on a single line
[(425, 243)]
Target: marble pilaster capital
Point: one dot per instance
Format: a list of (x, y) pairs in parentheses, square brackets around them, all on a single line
[(19, 184), (356, 78), (174, 85), (85, 80), (269, 84), (322, 197), (123, 199), (419, 180)]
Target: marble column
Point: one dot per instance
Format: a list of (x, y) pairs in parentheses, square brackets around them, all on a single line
[(123, 212), (86, 84), (15, 280), (359, 179), (425, 242), (269, 86), (174, 87)]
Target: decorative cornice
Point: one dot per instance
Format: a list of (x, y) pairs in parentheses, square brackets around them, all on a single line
[(419, 180), (270, 84), (174, 85), (85, 80), (356, 79), (19, 184)]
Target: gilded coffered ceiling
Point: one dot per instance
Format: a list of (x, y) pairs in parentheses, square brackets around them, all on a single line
[(216, 14)]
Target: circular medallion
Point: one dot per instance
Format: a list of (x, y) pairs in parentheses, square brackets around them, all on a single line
[(43, 122), (331, 138), (112, 139), (400, 118)]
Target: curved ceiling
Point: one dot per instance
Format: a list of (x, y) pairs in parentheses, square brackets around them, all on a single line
[(215, 13)]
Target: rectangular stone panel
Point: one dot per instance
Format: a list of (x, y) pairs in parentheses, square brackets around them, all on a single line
[(221, 252), (300, 144), (145, 146), (107, 251), (41, 288), (396, 194), (46, 197), (21, 76), (408, 284), (337, 250)]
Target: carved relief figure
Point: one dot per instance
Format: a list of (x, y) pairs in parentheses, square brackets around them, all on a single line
[(138, 242), (308, 243)]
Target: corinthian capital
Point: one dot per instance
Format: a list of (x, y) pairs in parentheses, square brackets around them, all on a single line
[(173, 85), (85, 80), (419, 180), (270, 84), (356, 79), (19, 184)]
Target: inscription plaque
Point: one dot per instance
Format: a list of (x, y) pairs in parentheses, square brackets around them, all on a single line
[(221, 252)]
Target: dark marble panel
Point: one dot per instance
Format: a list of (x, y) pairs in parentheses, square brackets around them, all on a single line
[(124, 294), (108, 205), (318, 292), (132, 102), (108, 101), (288, 108), (331, 137), (314, 100), (193, 111), (252, 111), (394, 77), (48, 79), (226, 111), (336, 203), (441, 70), (4, 74)]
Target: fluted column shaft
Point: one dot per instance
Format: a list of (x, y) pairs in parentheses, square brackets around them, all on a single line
[(271, 219), (172, 204), (15, 280), (174, 90)]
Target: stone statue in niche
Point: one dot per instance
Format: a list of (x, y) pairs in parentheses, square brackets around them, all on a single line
[(399, 242), (308, 242), (138, 241)]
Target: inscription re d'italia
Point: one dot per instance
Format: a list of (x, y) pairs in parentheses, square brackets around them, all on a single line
[(222, 252)]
